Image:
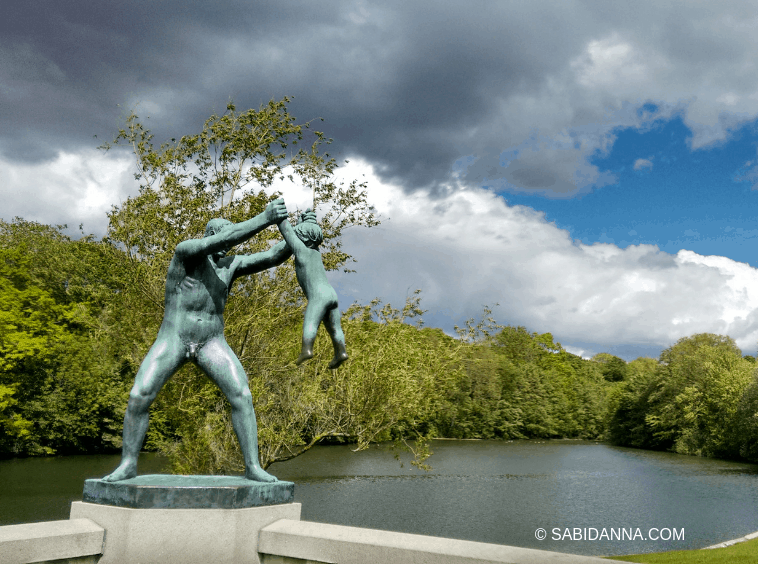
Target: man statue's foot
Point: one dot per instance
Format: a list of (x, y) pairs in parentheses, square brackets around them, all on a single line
[(305, 355), (337, 360), (259, 475), (125, 471)]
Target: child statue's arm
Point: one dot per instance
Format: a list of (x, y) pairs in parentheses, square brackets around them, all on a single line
[(293, 241)]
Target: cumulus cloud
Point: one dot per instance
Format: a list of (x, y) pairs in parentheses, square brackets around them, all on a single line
[(75, 188), (471, 248), (708, 77), (465, 250)]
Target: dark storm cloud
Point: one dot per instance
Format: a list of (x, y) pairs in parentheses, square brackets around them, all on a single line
[(404, 85), (67, 65), (410, 86)]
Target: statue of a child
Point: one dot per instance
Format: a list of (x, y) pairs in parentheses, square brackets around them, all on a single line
[(304, 240)]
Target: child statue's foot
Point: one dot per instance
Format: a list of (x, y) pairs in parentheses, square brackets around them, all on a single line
[(337, 360), (305, 355), (124, 471), (259, 475)]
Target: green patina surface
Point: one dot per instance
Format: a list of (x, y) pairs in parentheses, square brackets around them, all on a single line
[(168, 491), (197, 287)]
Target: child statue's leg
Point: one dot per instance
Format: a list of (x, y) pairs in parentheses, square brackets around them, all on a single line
[(333, 324), (312, 318)]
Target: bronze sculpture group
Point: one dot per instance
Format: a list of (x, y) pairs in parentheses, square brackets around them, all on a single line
[(197, 287)]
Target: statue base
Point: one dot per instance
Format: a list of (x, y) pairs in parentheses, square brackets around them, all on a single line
[(167, 491), (182, 536)]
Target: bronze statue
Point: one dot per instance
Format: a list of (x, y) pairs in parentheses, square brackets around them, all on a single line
[(197, 287)]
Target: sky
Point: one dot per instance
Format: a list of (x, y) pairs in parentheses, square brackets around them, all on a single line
[(584, 168)]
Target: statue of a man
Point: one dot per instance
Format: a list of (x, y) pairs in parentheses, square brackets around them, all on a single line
[(197, 286)]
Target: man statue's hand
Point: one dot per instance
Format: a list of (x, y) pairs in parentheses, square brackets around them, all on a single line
[(308, 215), (276, 211)]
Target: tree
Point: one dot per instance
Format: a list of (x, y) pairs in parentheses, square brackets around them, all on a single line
[(517, 384), (63, 378), (689, 401), (14, 429), (614, 368), (709, 405), (628, 405), (385, 388)]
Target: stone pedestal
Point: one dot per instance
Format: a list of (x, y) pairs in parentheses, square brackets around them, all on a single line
[(184, 519)]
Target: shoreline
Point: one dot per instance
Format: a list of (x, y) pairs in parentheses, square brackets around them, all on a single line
[(724, 544)]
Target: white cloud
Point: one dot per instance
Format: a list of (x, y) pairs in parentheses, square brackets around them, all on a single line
[(464, 251), (587, 355), (728, 99), (73, 189), (684, 61), (641, 164), (471, 248), (610, 63), (748, 173)]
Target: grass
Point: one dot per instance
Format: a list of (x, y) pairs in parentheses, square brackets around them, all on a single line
[(744, 553)]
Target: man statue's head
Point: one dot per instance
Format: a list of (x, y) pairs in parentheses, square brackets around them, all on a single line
[(215, 225)]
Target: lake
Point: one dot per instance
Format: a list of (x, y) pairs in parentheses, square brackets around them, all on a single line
[(588, 497)]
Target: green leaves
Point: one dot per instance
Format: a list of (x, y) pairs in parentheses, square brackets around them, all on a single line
[(30, 320), (14, 429), (515, 384), (232, 150), (614, 369), (56, 355), (223, 171), (695, 400)]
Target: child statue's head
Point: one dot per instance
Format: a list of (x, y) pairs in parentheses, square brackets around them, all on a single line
[(309, 233)]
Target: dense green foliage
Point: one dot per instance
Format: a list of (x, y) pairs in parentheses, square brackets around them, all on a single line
[(517, 384), (700, 398), (62, 388), (78, 316)]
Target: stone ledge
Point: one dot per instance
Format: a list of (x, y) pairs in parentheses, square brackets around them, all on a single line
[(305, 541), (168, 491), (51, 540)]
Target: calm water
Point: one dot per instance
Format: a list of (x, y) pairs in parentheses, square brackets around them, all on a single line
[(486, 491)]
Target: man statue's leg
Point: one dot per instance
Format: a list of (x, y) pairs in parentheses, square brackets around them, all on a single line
[(163, 359), (221, 365)]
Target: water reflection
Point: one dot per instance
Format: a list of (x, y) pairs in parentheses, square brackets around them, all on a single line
[(487, 491)]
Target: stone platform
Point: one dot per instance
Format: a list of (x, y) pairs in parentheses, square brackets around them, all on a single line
[(181, 536), (167, 491)]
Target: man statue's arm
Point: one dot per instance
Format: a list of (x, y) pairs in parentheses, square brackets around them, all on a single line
[(276, 255), (250, 264), (234, 234)]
